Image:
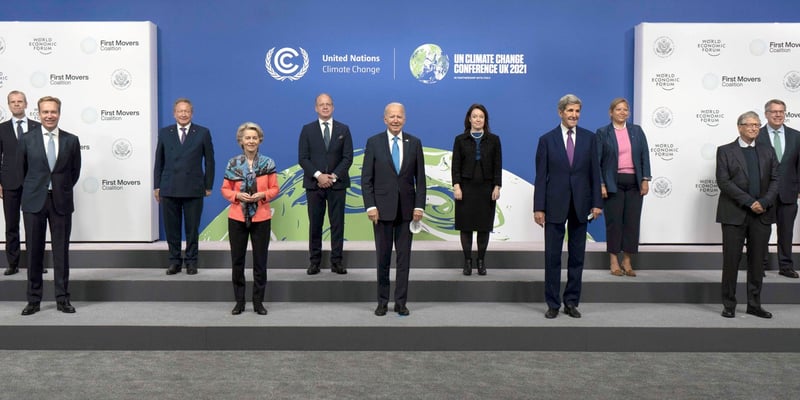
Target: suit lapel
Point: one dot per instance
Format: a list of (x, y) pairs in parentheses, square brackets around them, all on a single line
[(738, 155)]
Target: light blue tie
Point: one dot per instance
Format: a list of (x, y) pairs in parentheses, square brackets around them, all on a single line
[(778, 148), (51, 151), (396, 154)]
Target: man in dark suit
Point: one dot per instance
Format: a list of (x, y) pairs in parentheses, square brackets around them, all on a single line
[(49, 161), (184, 174), (567, 190), (11, 133), (394, 188), (325, 152), (785, 142), (747, 176)]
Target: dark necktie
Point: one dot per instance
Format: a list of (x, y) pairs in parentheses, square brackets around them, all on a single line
[(183, 135), (396, 154), (19, 129), (326, 134), (570, 147)]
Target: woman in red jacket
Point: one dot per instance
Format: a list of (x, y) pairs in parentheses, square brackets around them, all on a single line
[(250, 183)]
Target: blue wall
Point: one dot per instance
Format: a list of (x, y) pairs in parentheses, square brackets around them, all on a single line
[(213, 52)]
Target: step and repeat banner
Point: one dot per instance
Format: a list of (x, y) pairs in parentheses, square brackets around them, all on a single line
[(691, 83), (105, 74)]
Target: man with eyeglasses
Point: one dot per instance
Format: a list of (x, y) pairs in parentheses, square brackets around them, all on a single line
[(747, 176), (785, 142)]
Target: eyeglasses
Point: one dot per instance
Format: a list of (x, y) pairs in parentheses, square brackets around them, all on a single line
[(751, 125), (776, 111)]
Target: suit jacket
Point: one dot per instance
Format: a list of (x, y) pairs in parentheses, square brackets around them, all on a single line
[(608, 153), (9, 177), (556, 180), (733, 181), (788, 165), (336, 159), (184, 170), (35, 172), (464, 158), (384, 187)]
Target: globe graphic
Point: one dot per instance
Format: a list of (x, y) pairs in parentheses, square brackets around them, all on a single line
[(428, 64)]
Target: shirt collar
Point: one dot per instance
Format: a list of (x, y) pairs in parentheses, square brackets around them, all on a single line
[(742, 143), (399, 135)]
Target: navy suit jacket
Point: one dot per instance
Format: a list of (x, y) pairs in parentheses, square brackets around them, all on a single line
[(35, 172), (733, 181), (788, 165), (608, 153), (384, 187), (9, 177), (556, 181), (336, 159), (184, 170)]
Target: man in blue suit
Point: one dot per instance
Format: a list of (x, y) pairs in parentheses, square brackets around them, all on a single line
[(11, 133), (785, 141), (325, 152), (567, 190), (183, 175), (49, 161), (393, 187)]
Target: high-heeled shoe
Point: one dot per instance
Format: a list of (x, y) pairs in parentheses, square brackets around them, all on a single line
[(467, 266), (481, 267), (259, 309), (630, 272), (237, 309)]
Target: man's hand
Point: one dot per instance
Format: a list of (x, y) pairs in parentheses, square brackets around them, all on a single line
[(596, 212), (373, 215), (417, 215), (603, 191), (757, 208), (156, 195), (538, 217), (325, 180)]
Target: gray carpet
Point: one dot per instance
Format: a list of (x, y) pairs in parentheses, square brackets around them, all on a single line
[(397, 375)]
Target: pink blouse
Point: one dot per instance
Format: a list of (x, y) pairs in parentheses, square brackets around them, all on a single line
[(625, 157)]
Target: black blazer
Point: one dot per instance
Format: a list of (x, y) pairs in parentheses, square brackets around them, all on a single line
[(464, 158), (734, 200), (9, 177), (184, 170), (384, 187), (35, 172), (788, 165), (337, 159)]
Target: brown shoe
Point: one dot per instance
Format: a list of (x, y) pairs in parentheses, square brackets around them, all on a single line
[(617, 272), (630, 272)]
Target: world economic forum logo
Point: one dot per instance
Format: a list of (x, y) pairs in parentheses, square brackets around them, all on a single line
[(429, 64), (283, 64)]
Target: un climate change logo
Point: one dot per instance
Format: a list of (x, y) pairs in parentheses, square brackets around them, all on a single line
[(429, 64), (281, 66)]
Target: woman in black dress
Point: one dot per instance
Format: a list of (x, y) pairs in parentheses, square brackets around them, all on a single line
[(477, 176)]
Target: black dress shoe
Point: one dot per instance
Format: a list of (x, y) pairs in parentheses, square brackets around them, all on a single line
[(237, 309), (551, 313), (44, 270), (759, 312), (173, 269), (259, 308), (338, 268), (728, 312), (481, 267), (313, 269), (11, 270), (381, 310), (65, 307), (572, 311), (191, 269), (30, 309), (401, 310), (789, 273), (467, 267)]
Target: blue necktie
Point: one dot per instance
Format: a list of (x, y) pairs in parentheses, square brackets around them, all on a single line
[(396, 154), (51, 151), (183, 135)]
